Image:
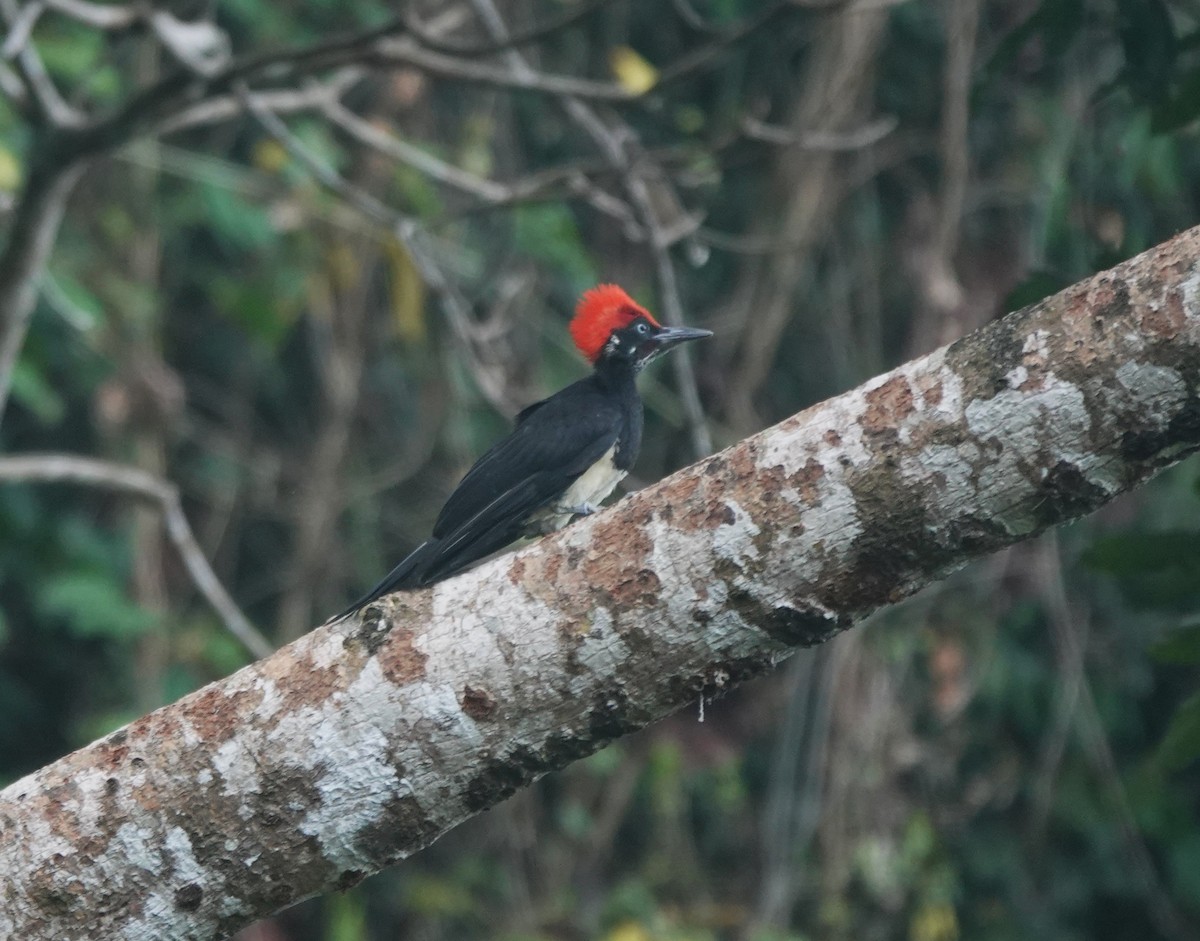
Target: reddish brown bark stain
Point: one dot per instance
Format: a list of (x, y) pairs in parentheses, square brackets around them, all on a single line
[(1168, 319), (620, 546), (639, 589), (112, 752), (930, 387), (832, 438), (477, 702), (888, 405), (806, 479), (310, 685), (217, 715), (399, 660)]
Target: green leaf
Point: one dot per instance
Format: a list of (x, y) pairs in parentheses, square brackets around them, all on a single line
[(1181, 647), (347, 917), (549, 234), (1181, 745), (239, 224), (71, 53), (30, 388), (75, 303), (93, 605), (264, 314)]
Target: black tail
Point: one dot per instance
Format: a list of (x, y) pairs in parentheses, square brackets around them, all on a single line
[(408, 574)]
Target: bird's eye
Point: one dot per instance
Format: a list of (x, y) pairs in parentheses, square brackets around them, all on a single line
[(643, 328)]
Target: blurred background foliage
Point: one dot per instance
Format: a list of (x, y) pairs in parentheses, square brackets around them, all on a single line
[(1010, 755)]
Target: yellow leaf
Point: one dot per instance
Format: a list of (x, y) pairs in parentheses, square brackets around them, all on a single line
[(632, 72), (10, 171), (628, 931), (406, 291), (934, 922), (344, 266), (270, 155)]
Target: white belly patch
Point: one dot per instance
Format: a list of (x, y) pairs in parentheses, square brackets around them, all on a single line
[(589, 489)]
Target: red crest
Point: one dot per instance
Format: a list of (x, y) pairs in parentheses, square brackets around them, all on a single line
[(600, 311)]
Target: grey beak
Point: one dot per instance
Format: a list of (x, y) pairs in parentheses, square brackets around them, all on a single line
[(667, 337)]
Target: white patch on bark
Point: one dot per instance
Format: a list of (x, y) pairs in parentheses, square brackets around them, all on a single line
[(354, 790), (1156, 391), (671, 550), (601, 648), (1054, 426), (234, 760), (735, 541), (1037, 344), (1016, 377), (947, 471)]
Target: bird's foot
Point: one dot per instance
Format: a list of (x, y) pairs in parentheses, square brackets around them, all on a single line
[(582, 509)]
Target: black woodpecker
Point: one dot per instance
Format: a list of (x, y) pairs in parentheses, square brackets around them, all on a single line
[(565, 455)]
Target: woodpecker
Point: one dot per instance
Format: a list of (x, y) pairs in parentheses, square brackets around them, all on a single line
[(561, 460)]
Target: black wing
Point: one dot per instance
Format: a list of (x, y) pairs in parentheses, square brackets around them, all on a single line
[(554, 442), (522, 473)]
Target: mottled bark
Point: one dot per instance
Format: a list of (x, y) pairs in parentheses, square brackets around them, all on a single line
[(361, 742)]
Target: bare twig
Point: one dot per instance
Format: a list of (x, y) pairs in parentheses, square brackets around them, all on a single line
[(68, 468), (1075, 707), (404, 50), (30, 241), (50, 106), (400, 150), (313, 95), (20, 28), (865, 136), (401, 226), (430, 40), (97, 15)]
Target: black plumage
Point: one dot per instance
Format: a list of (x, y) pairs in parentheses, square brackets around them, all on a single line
[(565, 454)]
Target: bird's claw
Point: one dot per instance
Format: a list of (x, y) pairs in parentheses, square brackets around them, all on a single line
[(581, 509)]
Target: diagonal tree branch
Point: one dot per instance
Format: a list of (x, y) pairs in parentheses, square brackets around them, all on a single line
[(363, 741)]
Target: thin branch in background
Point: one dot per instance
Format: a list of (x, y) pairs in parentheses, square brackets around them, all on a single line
[(559, 182), (97, 15), (404, 50), (1075, 706), (50, 106), (357, 197), (313, 96), (725, 39), (403, 152), (67, 468), (430, 40), (20, 28), (404, 228), (870, 133), (30, 241), (693, 19)]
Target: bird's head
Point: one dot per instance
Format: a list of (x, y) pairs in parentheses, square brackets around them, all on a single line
[(609, 326)]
